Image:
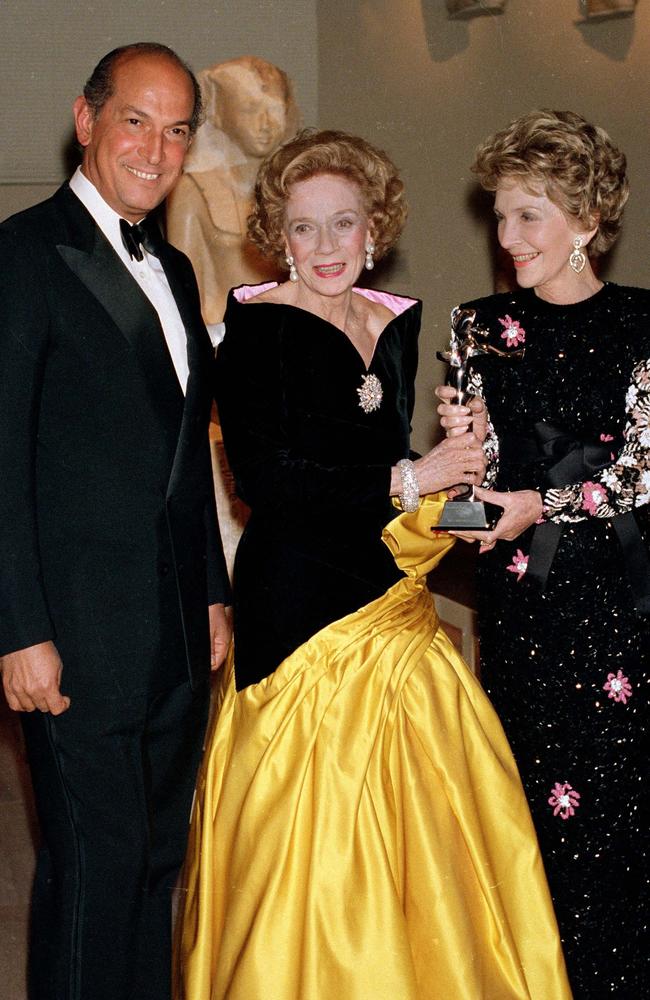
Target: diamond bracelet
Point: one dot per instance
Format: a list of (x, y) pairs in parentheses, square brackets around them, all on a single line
[(410, 495)]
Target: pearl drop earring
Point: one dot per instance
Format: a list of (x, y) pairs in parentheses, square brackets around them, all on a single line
[(293, 274), (577, 260)]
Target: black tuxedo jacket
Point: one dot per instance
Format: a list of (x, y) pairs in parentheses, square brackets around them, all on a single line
[(109, 542)]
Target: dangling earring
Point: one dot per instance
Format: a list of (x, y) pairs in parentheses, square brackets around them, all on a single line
[(370, 249), (577, 260), (293, 274)]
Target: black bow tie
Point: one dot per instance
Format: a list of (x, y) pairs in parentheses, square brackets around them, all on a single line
[(145, 234)]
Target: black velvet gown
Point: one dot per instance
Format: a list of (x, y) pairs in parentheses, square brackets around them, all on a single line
[(565, 659), (302, 449)]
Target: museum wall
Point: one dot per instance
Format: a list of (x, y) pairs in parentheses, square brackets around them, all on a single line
[(400, 72), (428, 89), (50, 46)]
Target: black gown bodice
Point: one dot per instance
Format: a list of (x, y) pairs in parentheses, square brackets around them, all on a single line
[(574, 378), (575, 371), (314, 468)]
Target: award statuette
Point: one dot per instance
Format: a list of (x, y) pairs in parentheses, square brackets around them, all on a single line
[(464, 513)]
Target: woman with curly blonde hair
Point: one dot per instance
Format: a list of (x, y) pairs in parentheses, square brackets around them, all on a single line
[(360, 828), (564, 576)]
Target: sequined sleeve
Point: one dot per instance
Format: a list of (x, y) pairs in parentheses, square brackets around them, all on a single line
[(491, 443), (625, 483)]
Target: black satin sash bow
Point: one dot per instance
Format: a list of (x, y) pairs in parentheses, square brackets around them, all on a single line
[(577, 460)]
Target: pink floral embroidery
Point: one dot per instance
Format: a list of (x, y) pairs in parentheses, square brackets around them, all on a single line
[(618, 686), (513, 333), (564, 799), (519, 564), (593, 494)]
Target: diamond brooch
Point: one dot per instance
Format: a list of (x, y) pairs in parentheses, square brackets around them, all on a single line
[(370, 393)]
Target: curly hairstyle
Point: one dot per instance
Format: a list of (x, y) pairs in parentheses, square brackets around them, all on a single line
[(327, 152), (573, 163), (100, 84)]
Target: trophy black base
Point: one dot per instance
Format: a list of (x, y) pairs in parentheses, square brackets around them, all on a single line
[(462, 515)]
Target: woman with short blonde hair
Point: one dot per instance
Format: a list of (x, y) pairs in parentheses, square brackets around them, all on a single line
[(575, 164), (564, 574)]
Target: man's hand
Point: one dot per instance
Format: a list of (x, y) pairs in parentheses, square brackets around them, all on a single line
[(220, 633), (31, 679)]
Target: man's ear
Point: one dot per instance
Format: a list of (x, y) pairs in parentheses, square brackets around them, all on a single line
[(84, 120)]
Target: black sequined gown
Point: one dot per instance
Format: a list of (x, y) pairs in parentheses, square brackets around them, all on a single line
[(567, 666)]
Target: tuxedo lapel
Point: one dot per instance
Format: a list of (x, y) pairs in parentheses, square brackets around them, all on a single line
[(191, 321), (92, 259), (199, 357)]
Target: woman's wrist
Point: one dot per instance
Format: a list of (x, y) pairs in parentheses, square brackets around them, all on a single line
[(408, 487)]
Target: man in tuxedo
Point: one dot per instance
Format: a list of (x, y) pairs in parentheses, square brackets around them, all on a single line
[(113, 584)]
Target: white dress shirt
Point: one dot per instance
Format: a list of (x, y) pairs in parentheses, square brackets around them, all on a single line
[(148, 272)]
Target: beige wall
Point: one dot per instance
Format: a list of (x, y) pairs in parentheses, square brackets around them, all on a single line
[(397, 71), (429, 89), (50, 46)]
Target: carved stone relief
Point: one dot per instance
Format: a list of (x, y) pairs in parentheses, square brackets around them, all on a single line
[(250, 111)]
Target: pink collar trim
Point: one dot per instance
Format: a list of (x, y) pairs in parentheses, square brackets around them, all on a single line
[(396, 303)]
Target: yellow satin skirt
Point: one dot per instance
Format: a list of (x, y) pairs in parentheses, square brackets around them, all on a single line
[(360, 831)]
